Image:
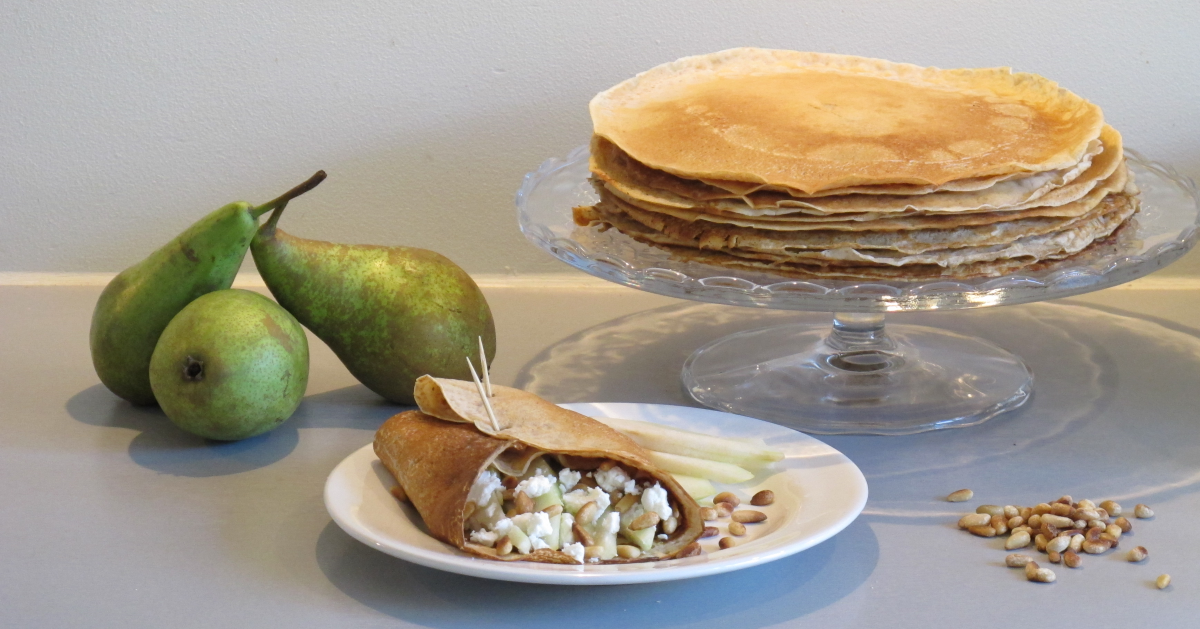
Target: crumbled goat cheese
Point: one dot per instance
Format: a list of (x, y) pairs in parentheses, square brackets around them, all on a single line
[(575, 551), (536, 525), (611, 479), (501, 528), (654, 499), (576, 499), (631, 488), (535, 486), (486, 485), (485, 538), (568, 479)]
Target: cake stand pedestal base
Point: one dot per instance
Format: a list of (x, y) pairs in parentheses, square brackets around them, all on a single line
[(860, 378)]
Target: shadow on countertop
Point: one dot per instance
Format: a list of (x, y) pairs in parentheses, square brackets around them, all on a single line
[(164, 448), (762, 596)]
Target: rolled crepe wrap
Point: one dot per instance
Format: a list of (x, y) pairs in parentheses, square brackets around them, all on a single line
[(436, 454)]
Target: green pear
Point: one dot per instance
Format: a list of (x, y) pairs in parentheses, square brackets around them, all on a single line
[(232, 364), (140, 301), (391, 314)]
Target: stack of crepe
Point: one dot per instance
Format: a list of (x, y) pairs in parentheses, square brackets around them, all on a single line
[(829, 166)]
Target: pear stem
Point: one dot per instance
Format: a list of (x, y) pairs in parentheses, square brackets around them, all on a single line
[(282, 199)]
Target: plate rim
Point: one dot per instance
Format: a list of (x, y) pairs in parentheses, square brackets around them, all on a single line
[(580, 575)]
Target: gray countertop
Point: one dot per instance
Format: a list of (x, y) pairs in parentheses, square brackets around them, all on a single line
[(113, 518)]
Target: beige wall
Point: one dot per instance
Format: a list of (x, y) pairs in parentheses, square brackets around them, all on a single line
[(121, 122)]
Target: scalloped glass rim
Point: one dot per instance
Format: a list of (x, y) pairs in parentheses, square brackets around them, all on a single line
[(1167, 229)]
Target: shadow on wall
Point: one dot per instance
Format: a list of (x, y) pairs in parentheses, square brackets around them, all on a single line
[(763, 596), (164, 448)]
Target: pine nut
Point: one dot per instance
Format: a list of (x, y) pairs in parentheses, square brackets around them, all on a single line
[(728, 498), (710, 531), (1077, 542), (505, 547), (1055, 556), (1111, 507), (1011, 512), (1017, 560), (737, 528), (961, 495), (1015, 521), (691, 550), (1141, 511), (524, 503), (1058, 544), (1040, 542), (1041, 508), (1093, 533), (982, 531), (1103, 513), (748, 516), (1125, 524), (553, 510), (1026, 512), (1137, 554), (625, 551), (974, 519), (1043, 575), (1034, 521), (990, 509), (1112, 541), (586, 514), (582, 536), (592, 552), (606, 465), (670, 524), (1065, 500), (723, 509), (708, 514), (763, 498), (1000, 524), (1031, 568), (1086, 514), (1021, 528), (644, 521), (1019, 539), (1071, 559), (1080, 524), (1058, 521), (1085, 504), (727, 542), (1114, 530), (1162, 581), (1060, 509), (1095, 547)]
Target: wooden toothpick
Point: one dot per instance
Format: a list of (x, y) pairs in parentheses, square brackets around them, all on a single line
[(487, 379), (487, 404)]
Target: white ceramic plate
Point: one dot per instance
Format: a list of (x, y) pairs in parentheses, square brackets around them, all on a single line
[(818, 492)]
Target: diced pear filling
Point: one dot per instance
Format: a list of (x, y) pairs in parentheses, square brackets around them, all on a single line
[(584, 514)]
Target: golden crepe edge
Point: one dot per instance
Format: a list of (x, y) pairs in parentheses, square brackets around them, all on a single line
[(436, 453)]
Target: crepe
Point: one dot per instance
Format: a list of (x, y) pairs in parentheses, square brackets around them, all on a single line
[(815, 122), (1069, 239), (437, 453), (1117, 182), (644, 187)]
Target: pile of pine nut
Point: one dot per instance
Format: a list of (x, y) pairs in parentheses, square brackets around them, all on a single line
[(1061, 529)]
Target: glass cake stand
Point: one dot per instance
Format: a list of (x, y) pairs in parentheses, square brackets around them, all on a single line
[(860, 377)]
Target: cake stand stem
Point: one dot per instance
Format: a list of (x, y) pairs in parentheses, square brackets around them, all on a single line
[(860, 377)]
